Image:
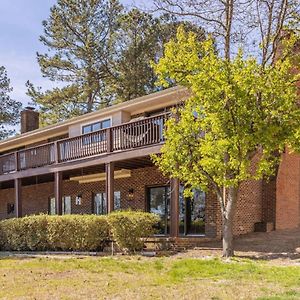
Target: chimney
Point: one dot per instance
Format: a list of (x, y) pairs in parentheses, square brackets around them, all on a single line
[(29, 119)]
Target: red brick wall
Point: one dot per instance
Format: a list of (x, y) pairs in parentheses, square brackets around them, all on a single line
[(248, 212), (36, 197), (288, 192)]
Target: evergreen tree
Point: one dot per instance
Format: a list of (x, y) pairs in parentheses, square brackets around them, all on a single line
[(139, 41), (9, 108), (98, 54), (77, 35)]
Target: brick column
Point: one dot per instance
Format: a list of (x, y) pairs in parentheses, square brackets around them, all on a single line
[(174, 207), (18, 197), (109, 186), (58, 192)]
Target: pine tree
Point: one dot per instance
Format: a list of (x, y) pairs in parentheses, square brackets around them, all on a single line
[(77, 35), (9, 108), (139, 41)]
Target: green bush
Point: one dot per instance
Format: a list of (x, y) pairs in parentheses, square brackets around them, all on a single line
[(28, 233), (78, 232), (43, 232), (128, 228)]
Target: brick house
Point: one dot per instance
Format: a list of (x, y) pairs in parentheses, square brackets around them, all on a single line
[(100, 162)]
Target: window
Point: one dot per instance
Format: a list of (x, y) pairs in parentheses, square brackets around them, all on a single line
[(117, 200), (52, 206), (192, 213), (93, 128), (96, 126), (100, 205), (159, 203), (66, 205)]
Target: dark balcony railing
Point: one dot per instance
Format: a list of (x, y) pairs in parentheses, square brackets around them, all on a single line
[(35, 157), (139, 133), (122, 137), (7, 163), (86, 145)]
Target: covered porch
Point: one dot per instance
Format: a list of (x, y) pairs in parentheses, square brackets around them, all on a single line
[(133, 183)]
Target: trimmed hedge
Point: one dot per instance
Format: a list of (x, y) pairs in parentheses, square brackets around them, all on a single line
[(43, 232), (76, 232), (128, 228)]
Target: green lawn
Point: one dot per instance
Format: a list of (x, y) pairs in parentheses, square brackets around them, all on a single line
[(146, 278)]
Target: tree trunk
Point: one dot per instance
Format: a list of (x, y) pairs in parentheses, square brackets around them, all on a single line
[(227, 218)]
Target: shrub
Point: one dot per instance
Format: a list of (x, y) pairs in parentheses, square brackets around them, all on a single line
[(77, 232), (28, 233), (43, 232), (128, 228)]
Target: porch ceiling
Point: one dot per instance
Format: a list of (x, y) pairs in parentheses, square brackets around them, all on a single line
[(130, 164)]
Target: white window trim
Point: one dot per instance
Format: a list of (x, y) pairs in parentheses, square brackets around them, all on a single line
[(94, 122)]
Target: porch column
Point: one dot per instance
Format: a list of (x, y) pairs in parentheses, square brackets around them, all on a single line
[(58, 192), (109, 186), (18, 197), (174, 208)]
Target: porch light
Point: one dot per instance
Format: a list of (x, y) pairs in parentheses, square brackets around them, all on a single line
[(130, 194)]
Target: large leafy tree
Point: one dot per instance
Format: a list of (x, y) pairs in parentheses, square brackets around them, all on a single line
[(238, 115), (77, 35), (9, 108)]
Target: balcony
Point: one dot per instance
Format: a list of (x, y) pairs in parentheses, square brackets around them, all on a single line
[(127, 136)]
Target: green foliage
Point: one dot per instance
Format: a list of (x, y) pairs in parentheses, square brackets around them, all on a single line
[(43, 232), (76, 232), (98, 54), (139, 41), (237, 110), (128, 228), (9, 108), (77, 35)]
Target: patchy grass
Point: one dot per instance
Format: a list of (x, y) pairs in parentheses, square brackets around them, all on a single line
[(146, 278)]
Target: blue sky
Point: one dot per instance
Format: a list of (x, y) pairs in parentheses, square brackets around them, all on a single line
[(20, 28)]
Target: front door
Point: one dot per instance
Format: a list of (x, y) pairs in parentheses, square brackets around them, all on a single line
[(159, 203)]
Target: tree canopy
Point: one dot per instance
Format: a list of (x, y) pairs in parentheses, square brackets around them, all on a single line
[(98, 54), (9, 108), (238, 111)]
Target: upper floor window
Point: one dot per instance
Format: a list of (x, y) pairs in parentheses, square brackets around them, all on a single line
[(96, 126)]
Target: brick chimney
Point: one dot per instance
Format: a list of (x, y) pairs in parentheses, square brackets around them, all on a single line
[(29, 119)]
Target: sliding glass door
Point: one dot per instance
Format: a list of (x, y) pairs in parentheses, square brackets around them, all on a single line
[(159, 203), (192, 213)]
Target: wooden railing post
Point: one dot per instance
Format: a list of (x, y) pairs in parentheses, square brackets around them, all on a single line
[(109, 140), (56, 152), (17, 165)]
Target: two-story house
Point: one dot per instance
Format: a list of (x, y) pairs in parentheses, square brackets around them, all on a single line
[(100, 162)]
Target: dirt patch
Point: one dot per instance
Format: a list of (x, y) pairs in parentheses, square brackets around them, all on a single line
[(279, 247)]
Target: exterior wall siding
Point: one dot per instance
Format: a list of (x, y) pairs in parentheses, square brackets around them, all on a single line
[(288, 192)]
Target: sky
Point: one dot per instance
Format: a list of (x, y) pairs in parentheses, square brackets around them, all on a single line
[(20, 28)]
